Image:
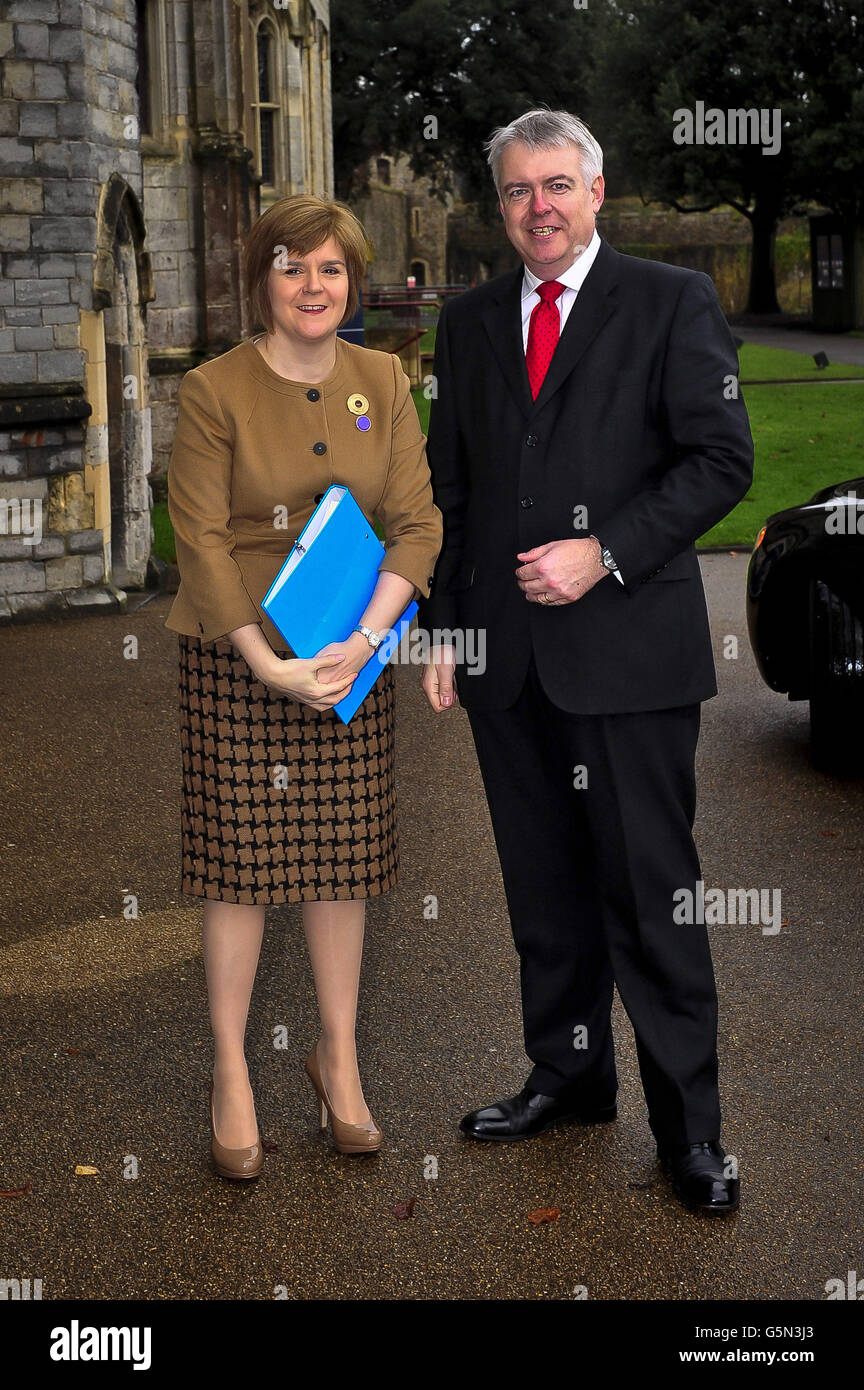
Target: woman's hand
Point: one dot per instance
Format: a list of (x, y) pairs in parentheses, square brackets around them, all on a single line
[(354, 652), (321, 681)]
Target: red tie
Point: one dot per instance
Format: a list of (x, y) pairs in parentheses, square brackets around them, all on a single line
[(543, 333)]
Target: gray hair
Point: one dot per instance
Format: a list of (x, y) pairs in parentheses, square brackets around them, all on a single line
[(543, 129)]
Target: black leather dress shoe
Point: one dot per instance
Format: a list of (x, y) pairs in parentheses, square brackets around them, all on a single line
[(698, 1176), (528, 1114)]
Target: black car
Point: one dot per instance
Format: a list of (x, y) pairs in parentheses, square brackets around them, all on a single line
[(805, 614)]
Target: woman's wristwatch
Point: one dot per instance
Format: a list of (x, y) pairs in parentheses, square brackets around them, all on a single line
[(373, 638)]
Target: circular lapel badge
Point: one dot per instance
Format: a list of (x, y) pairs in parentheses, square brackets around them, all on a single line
[(357, 404), (363, 422)]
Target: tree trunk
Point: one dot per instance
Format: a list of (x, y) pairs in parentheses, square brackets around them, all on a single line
[(762, 295)]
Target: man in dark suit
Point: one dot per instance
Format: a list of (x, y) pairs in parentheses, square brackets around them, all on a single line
[(585, 431)]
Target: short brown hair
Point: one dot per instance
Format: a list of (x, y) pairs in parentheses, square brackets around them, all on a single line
[(301, 223)]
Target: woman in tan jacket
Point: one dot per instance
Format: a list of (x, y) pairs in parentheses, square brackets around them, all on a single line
[(281, 802)]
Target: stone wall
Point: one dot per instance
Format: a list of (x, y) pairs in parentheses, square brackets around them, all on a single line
[(406, 223), (68, 75), (717, 242), (121, 257), (198, 308)]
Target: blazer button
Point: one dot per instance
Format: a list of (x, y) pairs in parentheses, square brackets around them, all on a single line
[(526, 502), (319, 497), (313, 395), (319, 448), (531, 440)]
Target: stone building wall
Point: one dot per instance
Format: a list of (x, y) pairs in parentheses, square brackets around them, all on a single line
[(68, 75), (406, 223), (121, 229), (196, 306)]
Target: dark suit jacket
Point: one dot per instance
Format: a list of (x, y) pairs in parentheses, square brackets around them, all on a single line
[(636, 422)]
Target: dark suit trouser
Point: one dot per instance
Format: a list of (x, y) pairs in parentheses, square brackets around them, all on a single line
[(589, 876)]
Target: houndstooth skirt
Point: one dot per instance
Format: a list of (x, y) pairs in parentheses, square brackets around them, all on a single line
[(281, 803)]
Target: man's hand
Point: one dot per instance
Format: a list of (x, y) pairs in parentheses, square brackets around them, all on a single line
[(438, 679), (560, 572)]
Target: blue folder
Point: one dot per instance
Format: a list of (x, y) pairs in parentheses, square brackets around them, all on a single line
[(323, 588)]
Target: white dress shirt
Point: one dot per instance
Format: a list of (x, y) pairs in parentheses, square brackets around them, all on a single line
[(572, 279)]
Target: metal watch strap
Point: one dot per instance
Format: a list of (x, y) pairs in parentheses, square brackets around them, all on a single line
[(607, 559), (373, 638)]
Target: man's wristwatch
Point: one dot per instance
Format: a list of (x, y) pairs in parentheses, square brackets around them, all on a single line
[(607, 559), (373, 638)]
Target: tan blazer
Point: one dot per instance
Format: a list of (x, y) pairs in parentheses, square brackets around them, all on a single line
[(252, 454)]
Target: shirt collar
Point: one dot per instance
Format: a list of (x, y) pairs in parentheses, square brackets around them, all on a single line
[(573, 277)]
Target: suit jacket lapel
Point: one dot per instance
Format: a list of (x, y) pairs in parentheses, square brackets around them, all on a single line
[(595, 303), (503, 321)]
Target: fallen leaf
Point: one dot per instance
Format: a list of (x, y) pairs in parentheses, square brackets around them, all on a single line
[(829, 832), (72, 1051), (543, 1214), (84, 1170), (18, 1191), (404, 1209), (269, 1146)]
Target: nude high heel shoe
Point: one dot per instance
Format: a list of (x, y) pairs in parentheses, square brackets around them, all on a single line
[(348, 1139), (234, 1163)]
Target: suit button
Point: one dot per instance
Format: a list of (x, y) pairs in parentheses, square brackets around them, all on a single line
[(526, 502), (431, 579), (318, 497), (531, 440), (319, 448), (313, 395)]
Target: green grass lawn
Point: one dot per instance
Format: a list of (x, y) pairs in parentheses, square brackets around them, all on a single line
[(805, 436), (771, 364), (163, 533)]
